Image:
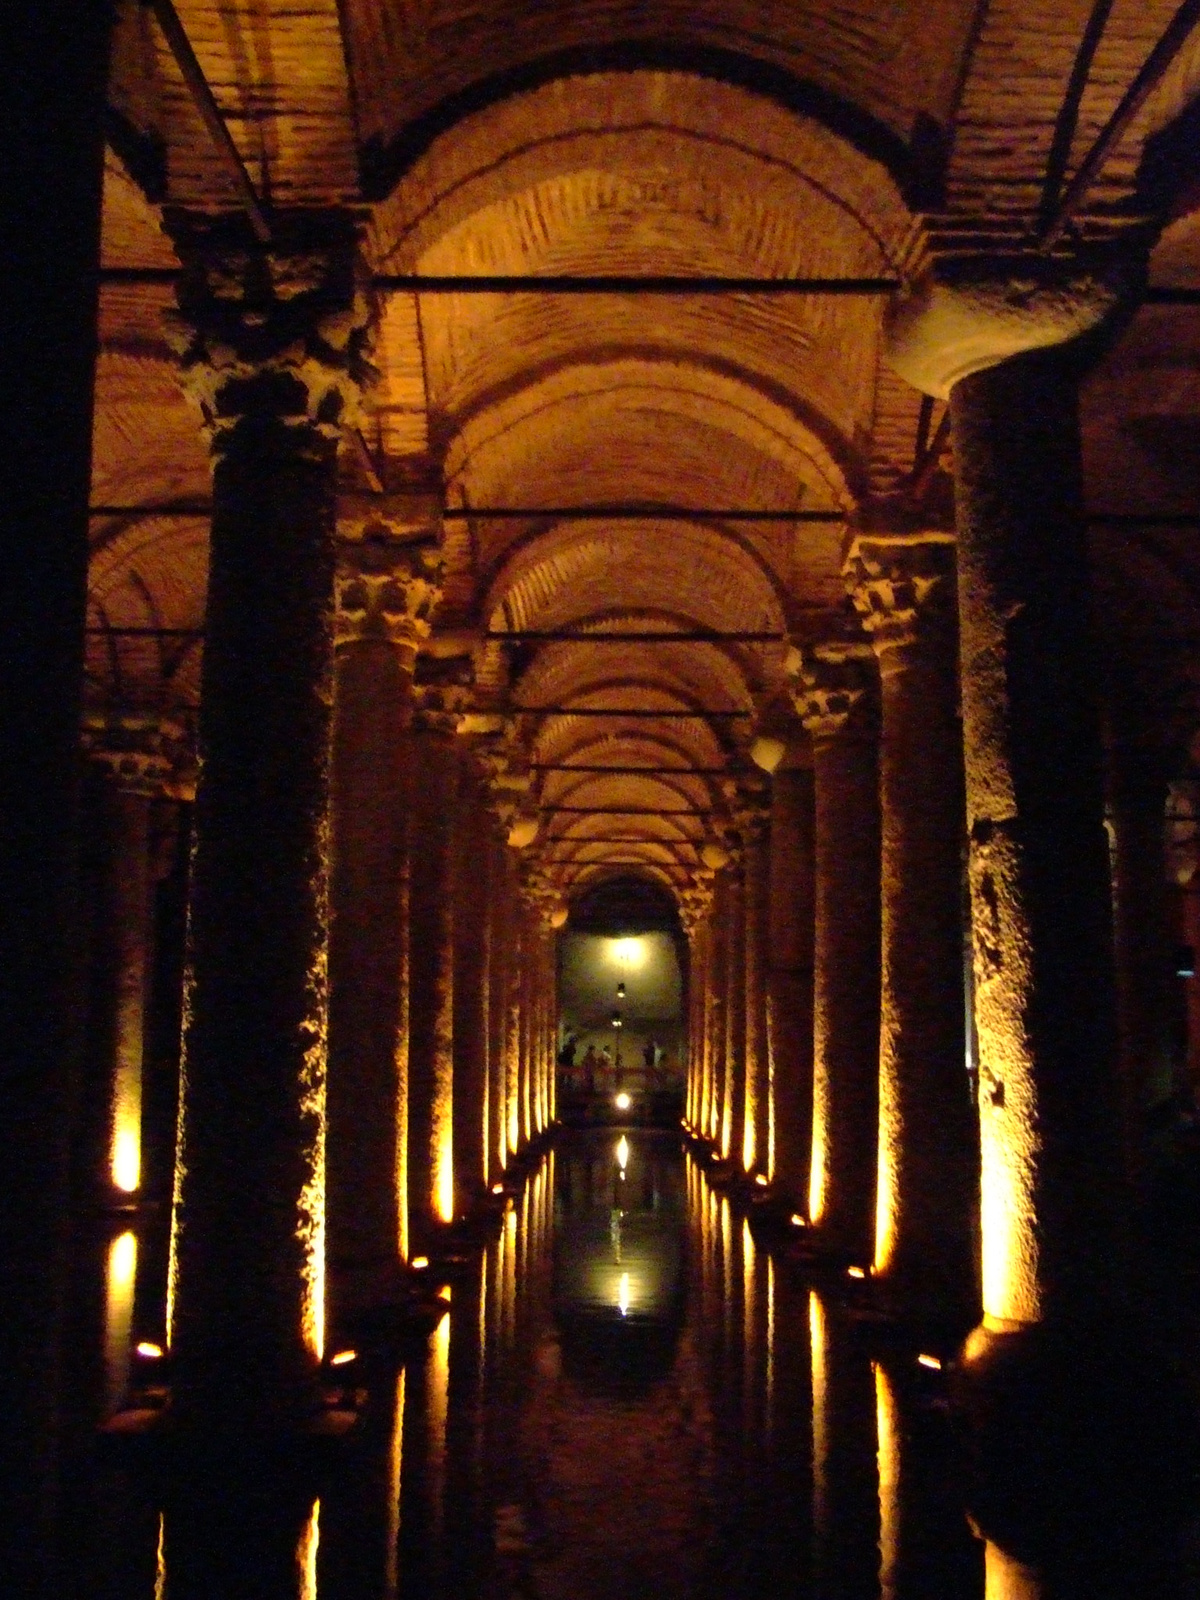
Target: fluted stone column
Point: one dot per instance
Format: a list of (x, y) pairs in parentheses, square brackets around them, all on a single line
[(131, 751), (273, 349), (387, 587), (836, 701), (433, 797), (758, 1131), (927, 1194), (791, 925), (1053, 1199)]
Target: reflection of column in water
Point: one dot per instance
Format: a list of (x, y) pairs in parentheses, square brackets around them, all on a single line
[(391, 1583), (925, 1543), (750, 1350), (120, 1280), (306, 1554), (845, 1482), (770, 1409), (887, 1424), (160, 1560), (508, 1258), (437, 1401), (1006, 1578)]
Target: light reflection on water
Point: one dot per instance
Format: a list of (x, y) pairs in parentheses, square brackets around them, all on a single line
[(629, 1397)]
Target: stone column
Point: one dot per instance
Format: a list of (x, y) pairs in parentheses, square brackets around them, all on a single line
[(789, 976), (1137, 795), (836, 702), (387, 588), (497, 998), (733, 1098), (1053, 1195), (472, 955), (717, 996), (433, 798), (131, 752), (273, 349), (927, 1190), (790, 928), (52, 194), (755, 1154), (1053, 1199)]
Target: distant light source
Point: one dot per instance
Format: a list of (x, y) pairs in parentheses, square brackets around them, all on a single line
[(622, 1152), (343, 1358), (523, 832), (931, 1362), (622, 1101), (419, 1263), (629, 952), (623, 1294), (767, 753), (761, 1179), (797, 1220), (497, 1188), (856, 1272), (148, 1350)]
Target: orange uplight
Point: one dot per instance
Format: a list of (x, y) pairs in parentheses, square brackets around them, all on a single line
[(149, 1351), (419, 1263), (797, 1220), (856, 1272), (761, 1180), (497, 1188), (343, 1358), (931, 1362)]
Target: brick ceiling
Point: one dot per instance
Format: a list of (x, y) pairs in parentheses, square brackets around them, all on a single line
[(816, 140)]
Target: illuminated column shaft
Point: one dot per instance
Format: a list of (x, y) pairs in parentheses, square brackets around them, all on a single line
[(129, 751), (387, 588), (903, 586), (433, 799), (1040, 894), (512, 1018), (837, 706), (790, 975), (472, 894), (1137, 791), (733, 1099), (756, 1140), (718, 986), (248, 1259), (497, 1006)]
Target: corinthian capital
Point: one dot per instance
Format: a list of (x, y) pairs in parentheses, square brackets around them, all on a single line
[(901, 583), (836, 690), (273, 334), (139, 751), (387, 589)]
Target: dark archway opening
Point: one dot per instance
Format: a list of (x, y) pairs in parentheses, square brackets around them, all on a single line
[(622, 981)]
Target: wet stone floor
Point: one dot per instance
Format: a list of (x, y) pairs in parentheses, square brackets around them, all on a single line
[(628, 1398)]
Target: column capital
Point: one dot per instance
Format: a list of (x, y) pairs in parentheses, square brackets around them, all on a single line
[(387, 589), (141, 752), (901, 583), (968, 313), (276, 333), (836, 691)]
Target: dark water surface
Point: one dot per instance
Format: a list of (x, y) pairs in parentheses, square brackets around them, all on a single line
[(628, 1398)]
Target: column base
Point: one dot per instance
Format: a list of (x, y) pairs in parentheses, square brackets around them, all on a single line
[(1058, 1424)]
